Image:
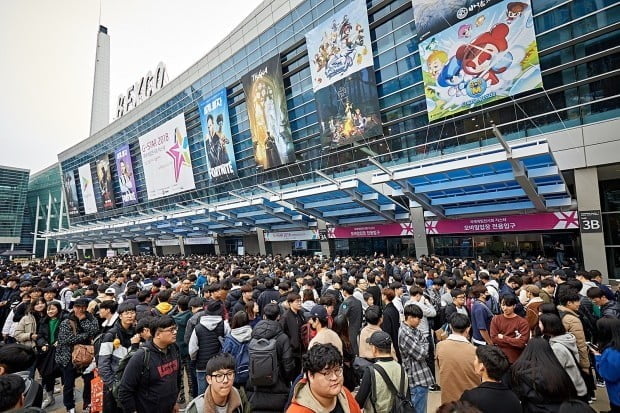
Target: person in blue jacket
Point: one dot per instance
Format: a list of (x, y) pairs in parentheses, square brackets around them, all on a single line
[(608, 358)]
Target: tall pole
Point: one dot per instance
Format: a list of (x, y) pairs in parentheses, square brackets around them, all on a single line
[(47, 222), (36, 226)]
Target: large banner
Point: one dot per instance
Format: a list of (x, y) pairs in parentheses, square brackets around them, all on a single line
[(372, 231), (475, 53), (166, 160), (343, 77), (218, 142), (268, 115), (104, 178), (68, 183), (88, 190), (126, 181)]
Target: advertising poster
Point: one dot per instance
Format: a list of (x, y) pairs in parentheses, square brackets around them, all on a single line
[(104, 179), (475, 52), (166, 160), (218, 142), (126, 181), (343, 77), (268, 115), (371, 231), (68, 183), (88, 190)]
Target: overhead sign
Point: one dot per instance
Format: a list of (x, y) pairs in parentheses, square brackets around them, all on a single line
[(507, 223), (473, 53), (88, 190), (104, 180), (166, 160), (68, 183), (304, 235), (141, 90), (371, 231), (217, 136), (166, 242), (590, 221), (199, 240), (126, 181), (268, 115)]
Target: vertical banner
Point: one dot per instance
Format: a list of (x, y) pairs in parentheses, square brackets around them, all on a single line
[(68, 183), (343, 77), (126, 181), (268, 115), (216, 131), (88, 190), (104, 178), (475, 54), (166, 160)]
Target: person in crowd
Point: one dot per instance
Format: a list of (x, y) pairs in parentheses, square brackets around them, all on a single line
[(481, 317), (46, 342), (609, 308), (246, 291), (391, 318), (351, 309), (291, 322), (607, 357), (374, 318), (457, 304), (17, 359), (181, 317), (107, 312), (26, 330), (236, 343), (321, 389), (152, 378), (455, 358), (341, 327), (509, 331), (547, 289), (318, 320), (532, 308)]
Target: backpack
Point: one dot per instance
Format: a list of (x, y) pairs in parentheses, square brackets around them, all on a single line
[(241, 354), (401, 404), (307, 334), (120, 369), (263, 367), (493, 305)]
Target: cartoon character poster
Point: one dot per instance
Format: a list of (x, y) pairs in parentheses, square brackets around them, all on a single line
[(216, 131), (268, 115), (68, 183), (88, 190), (104, 179), (343, 77), (475, 52), (126, 180)]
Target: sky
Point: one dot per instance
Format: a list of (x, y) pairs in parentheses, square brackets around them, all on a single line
[(47, 60)]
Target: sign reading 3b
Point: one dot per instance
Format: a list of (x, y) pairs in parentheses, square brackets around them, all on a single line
[(590, 221)]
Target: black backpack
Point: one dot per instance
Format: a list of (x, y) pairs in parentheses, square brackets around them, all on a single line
[(402, 404), (264, 367), (120, 369)]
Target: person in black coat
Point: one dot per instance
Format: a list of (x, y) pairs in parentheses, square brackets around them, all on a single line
[(291, 322), (391, 318), (351, 308), (267, 296)]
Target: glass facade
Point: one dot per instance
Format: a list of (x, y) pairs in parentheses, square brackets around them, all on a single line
[(580, 60), (13, 189), (610, 207)]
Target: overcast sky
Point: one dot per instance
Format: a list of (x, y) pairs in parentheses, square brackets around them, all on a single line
[(47, 59)]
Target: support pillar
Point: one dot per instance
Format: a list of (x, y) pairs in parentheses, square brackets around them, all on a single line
[(325, 250), (588, 199), (62, 211), (262, 248), (217, 246), (181, 244), (420, 239), (47, 222), (134, 249), (36, 227)]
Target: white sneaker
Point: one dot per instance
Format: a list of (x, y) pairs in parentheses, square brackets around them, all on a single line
[(71, 410)]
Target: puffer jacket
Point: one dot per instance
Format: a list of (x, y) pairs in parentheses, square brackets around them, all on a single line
[(573, 325), (305, 402), (24, 330), (565, 349), (85, 332), (237, 403)]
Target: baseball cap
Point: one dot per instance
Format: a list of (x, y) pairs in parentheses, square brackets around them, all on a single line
[(81, 302), (380, 339), (110, 291), (533, 289), (319, 312)]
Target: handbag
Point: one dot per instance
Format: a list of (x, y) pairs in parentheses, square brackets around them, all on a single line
[(47, 364), (82, 354)]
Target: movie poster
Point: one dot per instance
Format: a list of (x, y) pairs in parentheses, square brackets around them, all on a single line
[(68, 183), (343, 78), (217, 136), (104, 179), (268, 115), (475, 52), (126, 181), (166, 159), (88, 190)]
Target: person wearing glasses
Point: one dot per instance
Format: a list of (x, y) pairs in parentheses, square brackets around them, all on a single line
[(220, 395), (154, 387), (321, 389)]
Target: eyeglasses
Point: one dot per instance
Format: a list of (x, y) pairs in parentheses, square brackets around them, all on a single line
[(169, 330), (219, 378), (335, 372)]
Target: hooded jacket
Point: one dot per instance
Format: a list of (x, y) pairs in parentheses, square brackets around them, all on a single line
[(205, 340), (573, 325), (304, 401), (237, 403), (163, 308), (608, 366), (181, 320), (565, 349), (115, 344)]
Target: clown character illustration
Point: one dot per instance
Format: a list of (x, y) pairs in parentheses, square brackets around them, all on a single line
[(464, 31), (514, 10), (481, 58)]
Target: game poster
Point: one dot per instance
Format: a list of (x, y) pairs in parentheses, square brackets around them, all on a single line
[(268, 115), (104, 179), (88, 190), (475, 52), (217, 136), (343, 77), (71, 196), (126, 180)]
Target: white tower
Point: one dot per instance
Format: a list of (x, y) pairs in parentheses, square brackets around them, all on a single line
[(100, 110)]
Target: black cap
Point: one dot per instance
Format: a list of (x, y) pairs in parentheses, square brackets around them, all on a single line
[(319, 312), (196, 302), (380, 339), (214, 308), (81, 302)]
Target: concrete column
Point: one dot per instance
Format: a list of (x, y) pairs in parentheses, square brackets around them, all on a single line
[(154, 247), (262, 249), (588, 199), (181, 245), (133, 248), (419, 234), (36, 227), (325, 250), (47, 222), (219, 242)]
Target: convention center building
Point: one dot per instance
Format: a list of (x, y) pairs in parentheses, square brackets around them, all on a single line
[(404, 127)]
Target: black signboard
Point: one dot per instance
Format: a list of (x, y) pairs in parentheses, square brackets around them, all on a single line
[(590, 221)]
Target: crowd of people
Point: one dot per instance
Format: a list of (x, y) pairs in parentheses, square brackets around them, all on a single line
[(306, 334)]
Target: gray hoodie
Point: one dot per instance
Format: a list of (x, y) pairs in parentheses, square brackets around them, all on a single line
[(565, 349), (210, 322), (242, 334)]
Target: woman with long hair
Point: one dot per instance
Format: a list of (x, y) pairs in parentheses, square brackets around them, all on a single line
[(564, 346), (341, 327), (608, 359), (48, 335), (251, 308), (539, 380)]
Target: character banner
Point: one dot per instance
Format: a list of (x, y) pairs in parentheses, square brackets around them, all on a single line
[(104, 179), (68, 183), (340, 45), (475, 53), (506, 223), (268, 115), (88, 190), (126, 180), (166, 159), (216, 131)]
